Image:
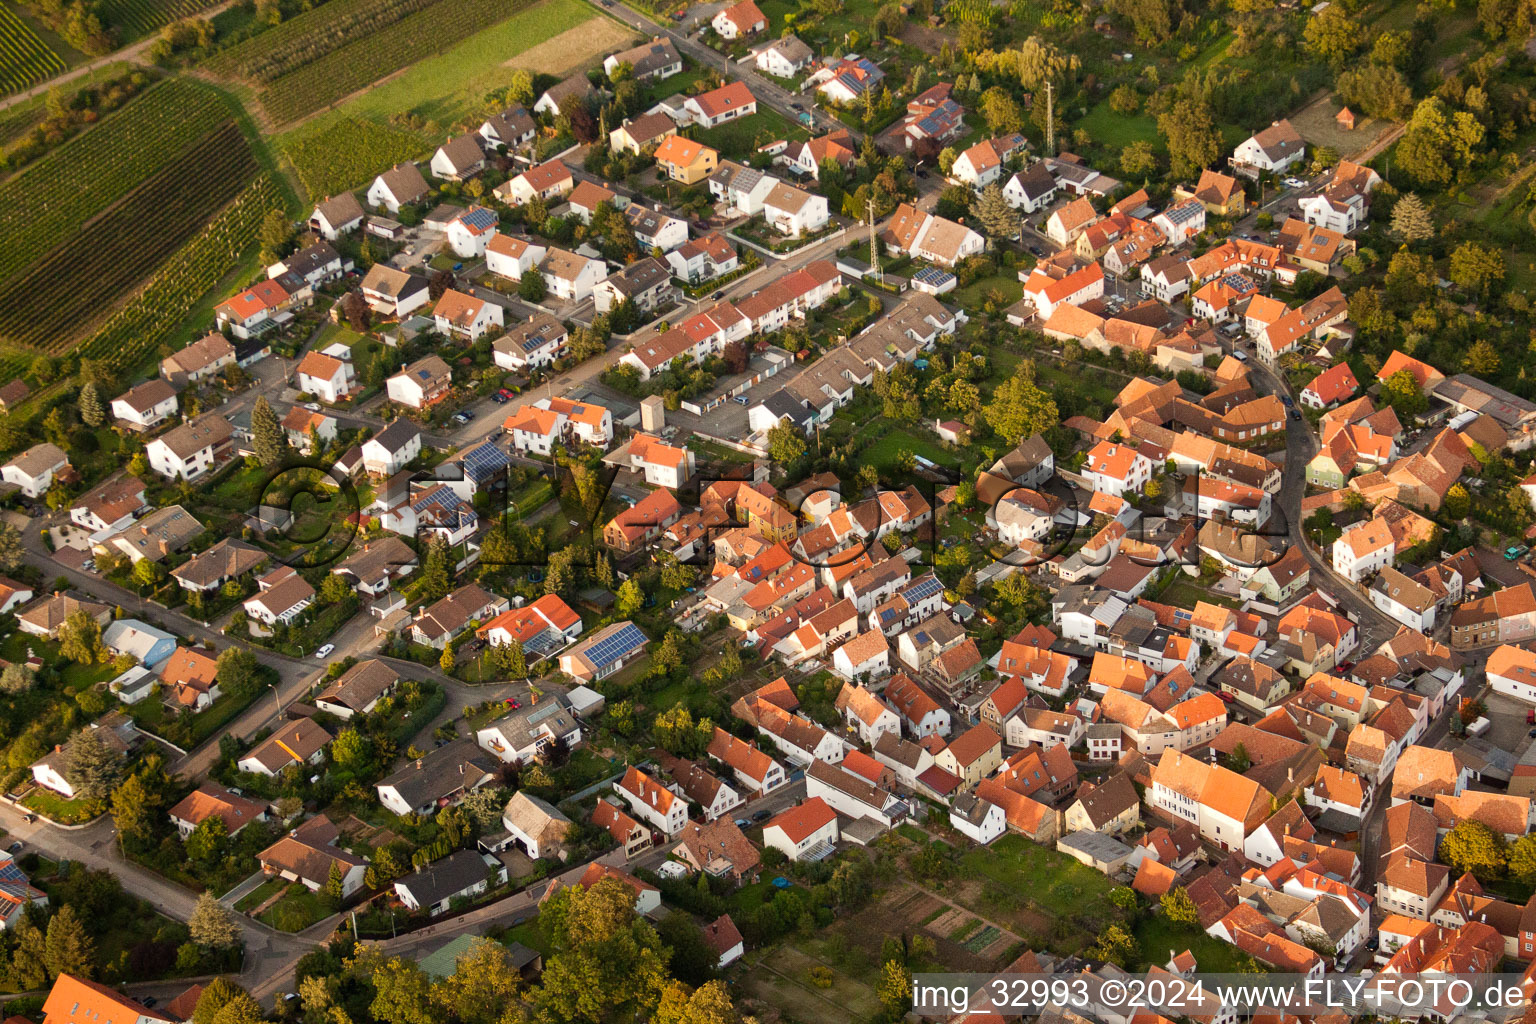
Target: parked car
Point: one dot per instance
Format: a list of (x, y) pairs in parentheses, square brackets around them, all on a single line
[(762, 815), (463, 416), (718, 295), (1295, 183), (499, 398), (312, 406), (742, 400), (325, 651)]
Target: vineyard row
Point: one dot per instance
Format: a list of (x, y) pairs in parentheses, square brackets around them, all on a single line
[(309, 37), (24, 58), (140, 17), (48, 306), (49, 201), (141, 326), (356, 65)]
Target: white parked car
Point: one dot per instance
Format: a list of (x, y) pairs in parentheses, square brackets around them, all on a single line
[(1295, 183), (325, 651)]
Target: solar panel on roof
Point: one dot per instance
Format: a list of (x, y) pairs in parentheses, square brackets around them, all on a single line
[(612, 648), (921, 588)]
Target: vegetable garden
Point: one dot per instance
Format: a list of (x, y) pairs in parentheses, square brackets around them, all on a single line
[(345, 70), (308, 37), (141, 17), (46, 307), (25, 59), (51, 200), (137, 330)]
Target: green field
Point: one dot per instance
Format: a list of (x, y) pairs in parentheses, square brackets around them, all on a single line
[(443, 29), (1116, 131), (346, 154), (437, 92)]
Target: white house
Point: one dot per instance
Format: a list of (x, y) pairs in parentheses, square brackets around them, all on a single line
[(471, 231), (392, 449), (1032, 189), (190, 450), (539, 342), (1116, 468), (803, 829), (739, 19), (1363, 548), (326, 377), (982, 164), (145, 405), (784, 57), (1274, 149), (337, 215), (399, 186), (459, 158), (283, 596), (34, 469), (867, 656), (571, 276), (1512, 671), (511, 257), (420, 384), (980, 821), (866, 714), (727, 103), (652, 802), (794, 212), (466, 316), (1404, 599)]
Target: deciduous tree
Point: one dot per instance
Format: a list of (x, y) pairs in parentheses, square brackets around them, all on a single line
[(212, 924), (1473, 847)]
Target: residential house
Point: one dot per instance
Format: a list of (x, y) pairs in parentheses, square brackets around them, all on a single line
[(191, 449), (401, 185), (456, 879), (325, 377), (310, 854), (392, 449), (442, 777), (145, 405), (35, 469), (421, 384), (738, 20), (199, 361), (298, 742), (282, 596), (392, 292), (466, 316), (684, 160), (806, 831), (335, 216)]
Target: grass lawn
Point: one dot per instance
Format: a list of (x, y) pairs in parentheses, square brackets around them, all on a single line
[(296, 911), (1052, 880), (740, 137), (974, 294), (67, 812), (1184, 594), (259, 895), (452, 85), (1157, 935), (1115, 131), (885, 452)]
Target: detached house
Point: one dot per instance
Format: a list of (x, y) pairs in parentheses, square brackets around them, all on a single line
[(392, 449), (682, 159), (548, 181), (510, 129), (192, 449), (471, 231), (738, 20), (1273, 150), (636, 135), (199, 361), (982, 164), (443, 620), (34, 470), (145, 405), (283, 596), (459, 158), (653, 803), (327, 378), (466, 316), (336, 216), (571, 276), (650, 61), (420, 384), (718, 106), (392, 292), (401, 185)]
